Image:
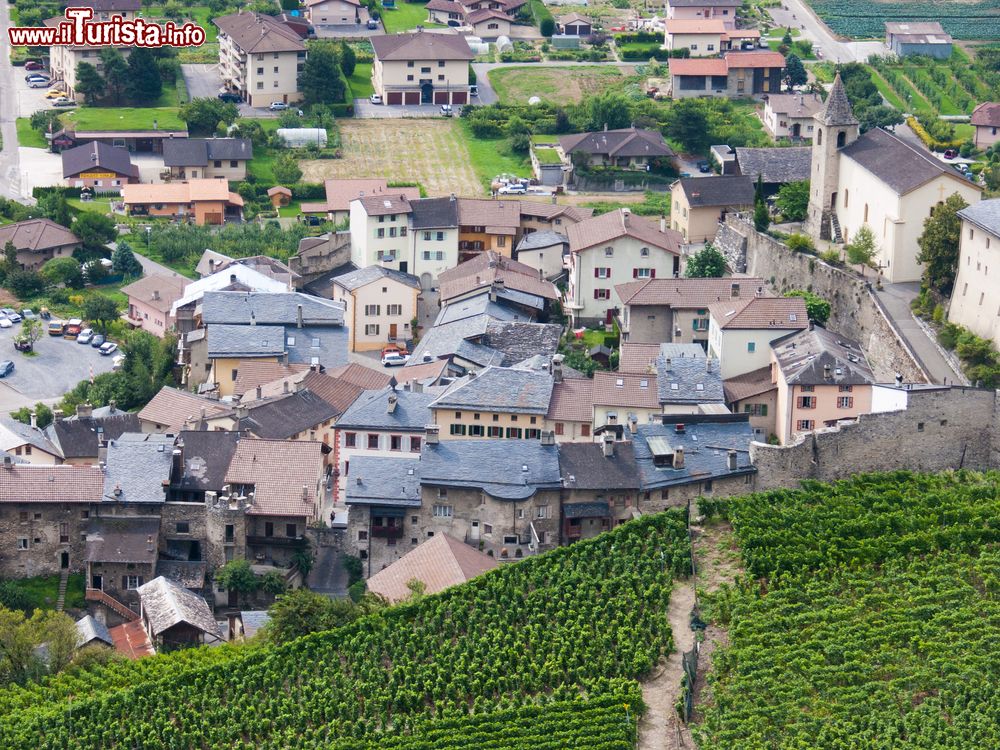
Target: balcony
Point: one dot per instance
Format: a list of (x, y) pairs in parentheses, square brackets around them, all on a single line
[(275, 541), (387, 532)]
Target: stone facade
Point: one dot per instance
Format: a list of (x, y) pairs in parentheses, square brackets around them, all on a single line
[(32, 534)]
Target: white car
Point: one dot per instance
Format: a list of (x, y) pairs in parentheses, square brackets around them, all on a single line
[(513, 189), (5, 323), (278, 107), (375, 99), (395, 359), (446, 110), (39, 84)]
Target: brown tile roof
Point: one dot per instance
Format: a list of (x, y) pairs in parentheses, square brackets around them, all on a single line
[(279, 470), (159, 292), (382, 205), (481, 263), (26, 483), (340, 193), (258, 33), (37, 234), (421, 45), (440, 562), (575, 18), (698, 66), (748, 384), (780, 313), (687, 293), (759, 59), (626, 390), (180, 192), (132, 640), (638, 357), (572, 401), (541, 210), (171, 408), (695, 26), (987, 114), (484, 14), (366, 377), (796, 105), (433, 369), (338, 393), (499, 217), (253, 372), (615, 224), (511, 280)]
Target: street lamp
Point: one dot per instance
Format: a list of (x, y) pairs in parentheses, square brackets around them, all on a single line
[(149, 229)]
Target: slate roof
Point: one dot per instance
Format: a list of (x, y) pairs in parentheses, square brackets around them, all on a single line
[(137, 468), (34, 483), (14, 434), (804, 356), (439, 562), (621, 223), (172, 407), (686, 380), (80, 437), (238, 275), (688, 293), (123, 539), (761, 313), (719, 190), (929, 32), (99, 156), (421, 46), (838, 109), (504, 469), (748, 384), (618, 143), (585, 467), (984, 214), (434, 213), (89, 629), (245, 340), (381, 480), (37, 234), (706, 441), (775, 165), (317, 345), (353, 280), (206, 455), (542, 239), (370, 411), (198, 152), (572, 401), (279, 470), (500, 389), (986, 114), (188, 573), (795, 105), (269, 308), (519, 340), (158, 291), (285, 416), (258, 33), (166, 604)]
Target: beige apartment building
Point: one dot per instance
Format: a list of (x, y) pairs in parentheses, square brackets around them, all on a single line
[(379, 305), (421, 68), (63, 61), (697, 10), (975, 299), (260, 58)]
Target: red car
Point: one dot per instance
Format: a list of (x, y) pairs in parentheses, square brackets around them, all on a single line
[(951, 154), (394, 349), (33, 65)]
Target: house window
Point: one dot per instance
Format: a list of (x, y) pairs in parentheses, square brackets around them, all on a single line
[(234, 374), (602, 273), (458, 429), (268, 528), (230, 533), (845, 402), (808, 388), (183, 527), (804, 424), (427, 236), (476, 430), (363, 535), (395, 442), (380, 233), (846, 388), (350, 439), (395, 310), (514, 433), (532, 433), (415, 445), (542, 511), (373, 442), (642, 273), (291, 530), (233, 163), (559, 428), (755, 410), (609, 252), (440, 63), (585, 430), (260, 71), (409, 64), (131, 583), (443, 511), (371, 329), (494, 432), (602, 294), (440, 238), (806, 402), (751, 347), (409, 78), (487, 528), (440, 78), (22, 542), (38, 516)]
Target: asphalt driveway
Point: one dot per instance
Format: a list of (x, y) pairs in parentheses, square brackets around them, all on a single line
[(58, 365)]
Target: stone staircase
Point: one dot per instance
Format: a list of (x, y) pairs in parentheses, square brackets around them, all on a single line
[(835, 234), (63, 584), (96, 595)]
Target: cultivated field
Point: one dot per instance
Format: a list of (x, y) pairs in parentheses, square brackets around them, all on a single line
[(557, 85), (431, 152)]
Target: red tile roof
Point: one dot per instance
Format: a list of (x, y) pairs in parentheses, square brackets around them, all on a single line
[(131, 640), (438, 563), (695, 26), (282, 472), (365, 377), (26, 483), (779, 313), (615, 224), (687, 293), (572, 401), (626, 390), (253, 372), (698, 66), (760, 59), (171, 408), (986, 114), (638, 357)]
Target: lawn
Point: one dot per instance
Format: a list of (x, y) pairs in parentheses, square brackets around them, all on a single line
[(261, 166), (406, 16), (124, 118), (97, 206), (361, 81), (290, 211), (888, 92), (547, 156), (42, 591), (27, 136), (491, 157), (557, 85)]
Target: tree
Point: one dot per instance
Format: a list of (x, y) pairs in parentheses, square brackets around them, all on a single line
[(610, 109), (300, 612), (761, 216), (64, 270), (89, 82), (20, 636), (303, 558), (144, 81), (95, 272), (795, 71), (793, 200), (787, 37), (24, 284), (204, 115), (817, 308), (43, 418), (879, 116), (688, 125), (939, 245), (116, 72), (273, 582), (348, 59), (31, 330), (10, 253), (123, 261), (100, 310), (707, 263), (238, 576), (862, 251), (321, 81), (55, 206), (286, 169), (95, 231), (46, 120)]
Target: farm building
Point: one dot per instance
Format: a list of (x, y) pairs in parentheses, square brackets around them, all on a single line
[(576, 24), (925, 38)]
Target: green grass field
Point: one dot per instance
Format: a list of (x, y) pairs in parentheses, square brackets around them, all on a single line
[(888, 92), (124, 118), (491, 157), (547, 156), (553, 84), (406, 16), (42, 591), (361, 81), (27, 136)]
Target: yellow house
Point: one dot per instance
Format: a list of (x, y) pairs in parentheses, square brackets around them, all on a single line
[(229, 344), (421, 68), (498, 402), (487, 225), (379, 305), (703, 37), (699, 204)]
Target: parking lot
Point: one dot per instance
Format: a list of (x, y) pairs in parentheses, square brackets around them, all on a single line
[(58, 365), (204, 81)]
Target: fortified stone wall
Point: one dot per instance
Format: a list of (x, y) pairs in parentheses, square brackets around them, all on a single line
[(941, 428), (855, 312)]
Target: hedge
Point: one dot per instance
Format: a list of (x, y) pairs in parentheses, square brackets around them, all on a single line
[(932, 143), (543, 17)]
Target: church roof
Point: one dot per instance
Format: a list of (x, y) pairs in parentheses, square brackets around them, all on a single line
[(838, 109)]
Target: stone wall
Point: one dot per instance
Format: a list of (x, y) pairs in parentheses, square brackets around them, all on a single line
[(855, 311), (316, 261), (733, 246), (941, 428)]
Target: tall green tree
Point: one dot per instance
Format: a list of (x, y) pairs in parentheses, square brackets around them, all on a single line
[(238, 576), (116, 72), (348, 59), (286, 169), (939, 245), (795, 71), (95, 232), (144, 82), (879, 116), (20, 637), (707, 263), (55, 206), (89, 82), (793, 200), (861, 251), (817, 308), (687, 123), (610, 109), (100, 310), (124, 262), (301, 612), (204, 115), (321, 81), (64, 270)]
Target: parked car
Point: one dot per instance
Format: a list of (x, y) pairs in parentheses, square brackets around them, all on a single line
[(117, 362), (474, 90), (372, 24), (23, 344), (446, 110), (11, 314), (961, 168), (55, 328), (375, 99), (393, 349), (39, 84), (37, 77), (278, 106), (108, 348), (229, 97), (55, 94), (98, 341), (85, 336), (395, 359), (63, 101), (5, 322), (73, 327), (6, 368), (28, 314), (515, 188), (951, 153), (33, 65)]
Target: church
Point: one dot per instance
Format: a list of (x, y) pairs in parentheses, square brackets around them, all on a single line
[(879, 179)]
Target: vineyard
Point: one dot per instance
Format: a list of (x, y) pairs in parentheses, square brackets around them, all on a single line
[(539, 654), (864, 19), (919, 84), (869, 617)]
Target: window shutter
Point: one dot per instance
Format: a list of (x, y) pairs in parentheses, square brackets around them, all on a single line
[(652, 273), (597, 273), (124, 583), (597, 294), (608, 269), (694, 325), (635, 273)]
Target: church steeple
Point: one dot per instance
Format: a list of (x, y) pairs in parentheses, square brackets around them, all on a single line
[(838, 109)]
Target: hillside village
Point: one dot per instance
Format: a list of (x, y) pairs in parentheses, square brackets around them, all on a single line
[(362, 301)]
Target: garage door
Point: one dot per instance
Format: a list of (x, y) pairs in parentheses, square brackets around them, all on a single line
[(394, 97), (412, 97), (441, 97), (459, 97)]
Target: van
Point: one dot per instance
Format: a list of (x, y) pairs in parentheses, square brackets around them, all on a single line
[(73, 327), (56, 328)]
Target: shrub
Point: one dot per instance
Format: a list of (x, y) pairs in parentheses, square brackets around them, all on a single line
[(800, 243)]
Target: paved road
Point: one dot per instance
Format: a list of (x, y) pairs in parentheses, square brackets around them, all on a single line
[(800, 16), (10, 176), (896, 299)]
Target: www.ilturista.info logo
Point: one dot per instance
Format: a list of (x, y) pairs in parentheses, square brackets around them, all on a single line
[(79, 31)]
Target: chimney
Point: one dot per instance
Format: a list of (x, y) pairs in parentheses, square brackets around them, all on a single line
[(557, 371), (112, 406), (260, 392), (156, 294), (391, 406), (177, 462), (431, 434), (678, 458), (548, 437), (284, 386), (663, 223), (8, 461), (731, 460), (679, 428), (416, 386), (667, 364), (84, 410), (608, 445), (34, 420), (242, 412), (298, 316), (625, 215)]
